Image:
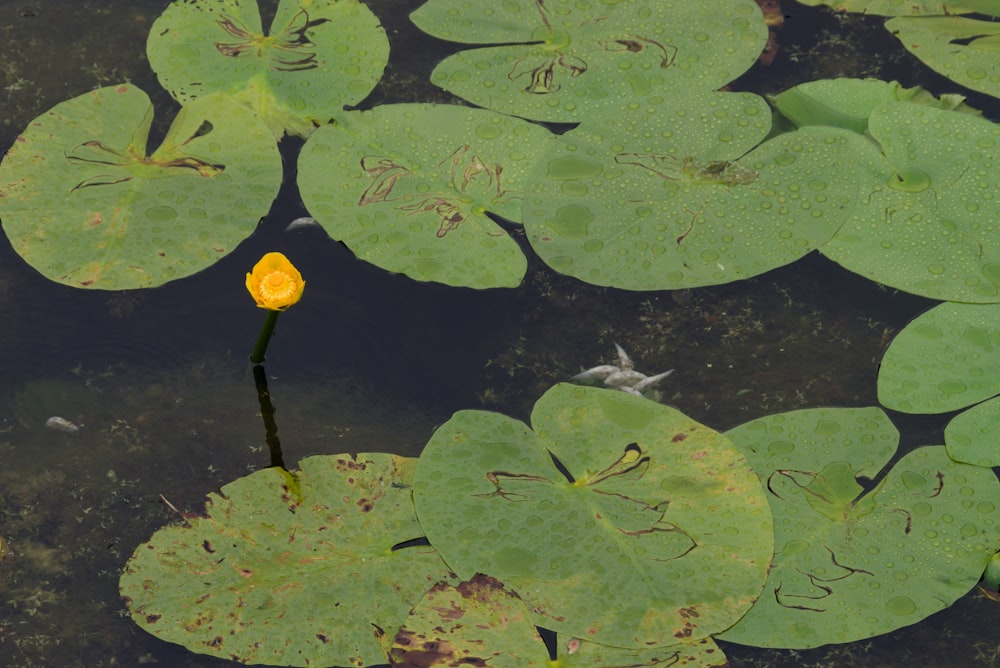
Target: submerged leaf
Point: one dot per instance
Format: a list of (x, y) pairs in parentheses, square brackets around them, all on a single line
[(849, 563), (681, 193), (413, 188), (83, 203), (289, 570), (945, 359), (560, 60), (617, 519), (318, 56)]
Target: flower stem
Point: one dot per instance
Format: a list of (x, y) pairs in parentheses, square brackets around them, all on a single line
[(257, 356)]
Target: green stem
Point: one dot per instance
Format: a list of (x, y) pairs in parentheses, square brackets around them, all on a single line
[(257, 356)]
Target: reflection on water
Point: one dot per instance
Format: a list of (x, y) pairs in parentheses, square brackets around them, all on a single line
[(159, 383)]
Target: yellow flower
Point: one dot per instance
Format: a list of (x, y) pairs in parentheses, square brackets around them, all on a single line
[(275, 283)]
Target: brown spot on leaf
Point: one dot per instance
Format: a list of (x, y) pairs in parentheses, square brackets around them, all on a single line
[(366, 505), (208, 547), (152, 619), (322, 638), (678, 438)]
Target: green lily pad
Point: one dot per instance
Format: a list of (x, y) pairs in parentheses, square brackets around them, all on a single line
[(83, 203), (562, 59), (908, 7), (650, 529), (318, 56), (289, 570), (848, 103), (971, 436), (850, 563), (925, 222), (945, 359), (965, 50), (682, 193), (412, 188)]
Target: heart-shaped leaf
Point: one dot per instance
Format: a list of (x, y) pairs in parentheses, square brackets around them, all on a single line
[(617, 519), (290, 570), (682, 193), (851, 563), (318, 56), (562, 59), (924, 221), (412, 188), (83, 203)]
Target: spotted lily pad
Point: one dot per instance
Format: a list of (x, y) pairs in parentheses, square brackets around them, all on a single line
[(414, 188), (681, 192), (971, 436), (945, 359), (852, 563), (83, 203), (287, 570), (965, 50), (318, 56), (561, 59), (616, 519), (925, 222)]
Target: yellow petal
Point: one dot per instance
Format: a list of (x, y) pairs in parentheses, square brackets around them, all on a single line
[(275, 283)]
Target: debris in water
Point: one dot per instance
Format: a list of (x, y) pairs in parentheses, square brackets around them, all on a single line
[(60, 424)]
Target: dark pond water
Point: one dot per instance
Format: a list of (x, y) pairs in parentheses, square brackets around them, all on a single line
[(369, 361)]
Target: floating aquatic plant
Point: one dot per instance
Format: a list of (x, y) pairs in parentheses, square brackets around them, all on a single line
[(925, 219), (971, 436), (317, 57), (962, 49), (559, 60), (290, 569), (684, 192), (84, 204), (852, 562), (417, 189), (616, 519), (945, 359)]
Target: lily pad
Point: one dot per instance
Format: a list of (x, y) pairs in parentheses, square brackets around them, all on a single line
[(681, 193), (945, 359), (414, 188), (617, 519), (83, 203), (476, 622), (559, 60), (848, 103), (971, 437), (480, 622), (965, 50), (318, 56), (908, 7), (850, 563), (925, 222), (289, 570)]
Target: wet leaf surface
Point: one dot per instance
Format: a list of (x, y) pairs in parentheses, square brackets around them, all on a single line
[(561, 60), (945, 359), (412, 188), (287, 570), (681, 192), (84, 204), (317, 56), (617, 519), (850, 563)]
